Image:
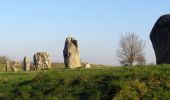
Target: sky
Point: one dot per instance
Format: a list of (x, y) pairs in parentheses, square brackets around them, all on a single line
[(30, 26)]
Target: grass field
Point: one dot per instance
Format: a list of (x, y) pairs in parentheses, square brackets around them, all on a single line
[(98, 83)]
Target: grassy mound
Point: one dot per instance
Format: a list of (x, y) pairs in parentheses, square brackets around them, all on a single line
[(119, 83)]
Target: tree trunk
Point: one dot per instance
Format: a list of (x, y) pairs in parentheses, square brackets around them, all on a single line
[(131, 63)]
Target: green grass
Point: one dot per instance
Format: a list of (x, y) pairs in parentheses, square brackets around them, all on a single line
[(106, 83), (2, 67)]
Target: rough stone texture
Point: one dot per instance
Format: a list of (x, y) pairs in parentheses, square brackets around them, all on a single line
[(15, 66), (87, 65), (26, 64), (71, 53), (42, 61), (160, 37)]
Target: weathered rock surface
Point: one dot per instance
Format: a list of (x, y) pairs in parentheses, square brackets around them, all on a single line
[(42, 61), (26, 64), (160, 37), (71, 53), (15, 66), (87, 65)]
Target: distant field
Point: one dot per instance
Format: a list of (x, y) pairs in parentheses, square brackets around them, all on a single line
[(107, 83)]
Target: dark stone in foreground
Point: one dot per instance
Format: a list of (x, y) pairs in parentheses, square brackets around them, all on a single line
[(160, 37)]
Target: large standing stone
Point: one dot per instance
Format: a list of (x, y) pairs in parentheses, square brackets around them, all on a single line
[(71, 53), (160, 37), (42, 61), (26, 64)]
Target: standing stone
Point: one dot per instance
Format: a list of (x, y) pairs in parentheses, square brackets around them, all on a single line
[(8, 68), (26, 64), (160, 38), (42, 61), (71, 53)]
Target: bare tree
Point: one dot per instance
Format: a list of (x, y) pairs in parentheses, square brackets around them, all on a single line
[(141, 60), (131, 49)]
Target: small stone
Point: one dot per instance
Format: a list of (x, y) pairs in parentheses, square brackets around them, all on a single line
[(87, 65), (15, 65)]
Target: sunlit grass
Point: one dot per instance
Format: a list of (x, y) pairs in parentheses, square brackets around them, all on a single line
[(138, 82)]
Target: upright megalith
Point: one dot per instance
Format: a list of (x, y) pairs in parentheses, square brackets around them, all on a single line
[(71, 53), (26, 64), (42, 61), (160, 38), (8, 67)]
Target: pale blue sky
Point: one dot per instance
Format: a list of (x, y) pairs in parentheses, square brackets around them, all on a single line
[(29, 26)]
